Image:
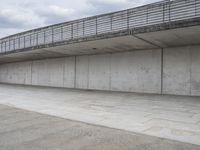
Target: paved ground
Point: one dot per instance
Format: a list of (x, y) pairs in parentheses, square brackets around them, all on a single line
[(172, 117), (25, 130)]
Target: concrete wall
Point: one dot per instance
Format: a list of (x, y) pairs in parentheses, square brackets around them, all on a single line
[(54, 72), (19, 73), (82, 72), (177, 68), (136, 71), (181, 68)]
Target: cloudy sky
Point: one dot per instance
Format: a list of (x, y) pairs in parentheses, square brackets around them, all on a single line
[(21, 15)]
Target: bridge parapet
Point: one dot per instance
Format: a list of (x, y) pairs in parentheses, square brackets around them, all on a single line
[(151, 14)]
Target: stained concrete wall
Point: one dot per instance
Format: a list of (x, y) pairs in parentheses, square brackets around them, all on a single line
[(181, 68), (177, 67), (19, 73), (137, 71), (48, 72), (195, 71), (58, 72), (99, 72), (82, 72)]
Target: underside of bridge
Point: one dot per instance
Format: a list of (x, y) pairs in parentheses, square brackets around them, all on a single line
[(166, 35), (162, 58)]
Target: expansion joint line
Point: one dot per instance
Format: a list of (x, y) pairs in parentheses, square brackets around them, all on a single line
[(147, 41), (162, 71), (161, 59)]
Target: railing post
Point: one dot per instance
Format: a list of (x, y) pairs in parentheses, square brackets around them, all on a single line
[(169, 11), (9, 44), (30, 40), (83, 28), (52, 34), (163, 13), (72, 31), (19, 42), (24, 42), (62, 33), (1, 46), (14, 44), (147, 17), (195, 7), (44, 37), (37, 39), (93, 25), (96, 26), (127, 19), (111, 22)]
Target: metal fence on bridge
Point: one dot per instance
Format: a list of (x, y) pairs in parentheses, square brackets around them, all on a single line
[(156, 13)]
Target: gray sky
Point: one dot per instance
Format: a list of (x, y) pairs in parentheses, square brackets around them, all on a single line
[(21, 15)]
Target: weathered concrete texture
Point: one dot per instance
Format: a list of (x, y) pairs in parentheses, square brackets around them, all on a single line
[(172, 117), (49, 72), (19, 73), (82, 72), (33, 131), (54, 72), (134, 71), (195, 71), (181, 71), (177, 71), (69, 72), (137, 71), (99, 72)]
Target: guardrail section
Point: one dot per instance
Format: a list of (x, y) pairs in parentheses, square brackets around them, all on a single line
[(156, 13)]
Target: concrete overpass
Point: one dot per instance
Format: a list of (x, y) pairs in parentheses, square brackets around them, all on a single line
[(149, 49)]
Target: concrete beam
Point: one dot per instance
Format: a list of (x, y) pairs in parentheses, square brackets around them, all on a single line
[(173, 34)]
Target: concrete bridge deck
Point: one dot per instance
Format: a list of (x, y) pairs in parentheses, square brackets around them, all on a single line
[(172, 117), (149, 49), (158, 25)]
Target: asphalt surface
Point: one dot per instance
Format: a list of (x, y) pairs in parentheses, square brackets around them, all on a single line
[(26, 130)]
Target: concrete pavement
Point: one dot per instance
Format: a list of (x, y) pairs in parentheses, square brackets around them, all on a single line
[(172, 117), (25, 130)]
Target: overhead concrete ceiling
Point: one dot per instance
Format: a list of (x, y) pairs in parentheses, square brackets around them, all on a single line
[(149, 40), (172, 38)]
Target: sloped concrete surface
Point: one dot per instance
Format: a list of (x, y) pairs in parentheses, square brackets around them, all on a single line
[(25, 130), (172, 117)]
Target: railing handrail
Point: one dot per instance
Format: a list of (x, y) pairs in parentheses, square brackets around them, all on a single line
[(84, 19), (144, 15)]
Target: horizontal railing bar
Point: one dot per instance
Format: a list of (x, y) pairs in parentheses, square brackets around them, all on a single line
[(160, 12), (85, 19)]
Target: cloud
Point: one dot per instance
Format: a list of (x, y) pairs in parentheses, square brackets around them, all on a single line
[(108, 1), (59, 11), (103, 6), (10, 18), (55, 14), (17, 16)]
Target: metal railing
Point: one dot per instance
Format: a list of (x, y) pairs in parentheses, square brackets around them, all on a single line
[(156, 13)]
